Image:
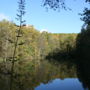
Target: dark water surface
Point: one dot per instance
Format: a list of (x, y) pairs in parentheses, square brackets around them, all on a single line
[(42, 75)]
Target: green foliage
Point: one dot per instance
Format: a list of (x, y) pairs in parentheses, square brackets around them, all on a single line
[(83, 44), (86, 16), (55, 4), (65, 48), (7, 38), (83, 56), (33, 44)]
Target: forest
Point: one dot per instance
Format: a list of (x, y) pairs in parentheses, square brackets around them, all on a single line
[(28, 55), (33, 44), (71, 50), (34, 47)]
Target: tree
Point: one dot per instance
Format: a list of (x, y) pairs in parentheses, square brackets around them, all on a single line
[(86, 16), (83, 42), (7, 37), (21, 12), (55, 4)]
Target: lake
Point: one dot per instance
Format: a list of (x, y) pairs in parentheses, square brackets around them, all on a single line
[(58, 84), (42, 75)]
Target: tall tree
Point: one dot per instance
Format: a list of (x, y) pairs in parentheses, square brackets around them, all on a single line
[(21, 12)]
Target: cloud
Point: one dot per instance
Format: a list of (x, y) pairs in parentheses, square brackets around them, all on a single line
[(42, 30), (2, 16)]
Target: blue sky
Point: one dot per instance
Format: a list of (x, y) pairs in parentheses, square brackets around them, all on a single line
[(53, 21)]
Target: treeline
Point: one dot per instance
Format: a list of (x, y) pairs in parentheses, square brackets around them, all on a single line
[(32, 44), (79, 55), (83, 56)]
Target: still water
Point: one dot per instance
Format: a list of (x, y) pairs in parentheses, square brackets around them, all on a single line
[(58, 84), (42, 75)]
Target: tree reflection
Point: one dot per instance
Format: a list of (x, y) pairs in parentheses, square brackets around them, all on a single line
[(28, 77), (84, 76)]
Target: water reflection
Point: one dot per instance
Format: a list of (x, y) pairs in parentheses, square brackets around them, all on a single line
[(83, 75), (58, 84), (40, 75)]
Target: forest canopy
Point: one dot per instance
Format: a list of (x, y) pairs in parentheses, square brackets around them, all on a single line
[(33, 43)]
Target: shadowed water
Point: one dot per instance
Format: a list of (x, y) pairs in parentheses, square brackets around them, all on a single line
[(42, 75)]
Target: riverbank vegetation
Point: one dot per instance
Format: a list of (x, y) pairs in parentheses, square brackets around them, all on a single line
[(33, 44)]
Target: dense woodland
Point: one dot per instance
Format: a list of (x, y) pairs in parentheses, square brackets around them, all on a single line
[(32, 44), (70, 50), (24, 48), (33, 48)]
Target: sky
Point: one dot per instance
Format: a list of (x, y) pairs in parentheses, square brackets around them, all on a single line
[(59, 21)]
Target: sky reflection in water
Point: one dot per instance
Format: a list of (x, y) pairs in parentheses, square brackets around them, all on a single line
[(58, 84)]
